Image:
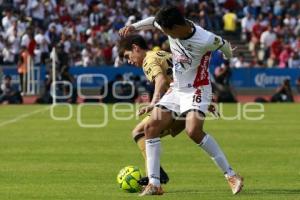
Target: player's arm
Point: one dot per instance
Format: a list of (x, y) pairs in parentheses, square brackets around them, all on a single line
[(161, 86), (144, 24), (226, 49), (217, 43)]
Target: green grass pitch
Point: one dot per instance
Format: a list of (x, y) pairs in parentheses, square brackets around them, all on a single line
[(42, 158)]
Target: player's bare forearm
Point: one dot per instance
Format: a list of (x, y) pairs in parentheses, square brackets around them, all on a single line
[(161, 86)]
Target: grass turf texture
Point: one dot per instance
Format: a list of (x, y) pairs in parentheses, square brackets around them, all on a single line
[(41, 158)]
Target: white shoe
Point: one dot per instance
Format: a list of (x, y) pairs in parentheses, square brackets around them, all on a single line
[(235, 182), (152, 190)]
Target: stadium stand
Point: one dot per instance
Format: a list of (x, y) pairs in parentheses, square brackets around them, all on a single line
[(266, 32)]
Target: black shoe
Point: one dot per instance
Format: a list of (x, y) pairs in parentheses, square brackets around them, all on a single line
[(143, 181), (164, 178)]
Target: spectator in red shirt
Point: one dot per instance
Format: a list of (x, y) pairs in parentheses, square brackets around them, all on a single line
[(231, 4), (107, 54), (62, 12), (31, 45), (276, 48), (284, 56), (257, 30)]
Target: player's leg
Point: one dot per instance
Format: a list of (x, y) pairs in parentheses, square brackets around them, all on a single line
[(194, 125), (160, 119), (194, 128), (139, 137), (195, 115), (175, 128)]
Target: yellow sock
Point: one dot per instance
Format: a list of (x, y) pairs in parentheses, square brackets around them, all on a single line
[(142, 147)]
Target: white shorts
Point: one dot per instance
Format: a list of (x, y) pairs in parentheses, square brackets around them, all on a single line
[(183, 100)]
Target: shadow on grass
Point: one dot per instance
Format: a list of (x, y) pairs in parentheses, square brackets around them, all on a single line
[(272, 191), (243, 192), (195, 191)]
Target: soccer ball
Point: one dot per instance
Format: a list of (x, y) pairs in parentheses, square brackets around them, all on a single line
[(128, 179)]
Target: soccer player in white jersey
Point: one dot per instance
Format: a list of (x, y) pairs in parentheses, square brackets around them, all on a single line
[(189, 95)]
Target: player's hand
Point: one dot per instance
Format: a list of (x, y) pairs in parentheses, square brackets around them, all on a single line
[(127, 30), (213, 108), (145, 109), (233, 49), (230, 53)]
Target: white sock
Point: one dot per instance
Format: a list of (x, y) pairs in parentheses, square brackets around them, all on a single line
[(212, 148), (153, 160)]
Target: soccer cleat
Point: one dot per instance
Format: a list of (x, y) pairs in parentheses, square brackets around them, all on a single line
[(152, 190), (143, 181), (235, 182), (164, 178)]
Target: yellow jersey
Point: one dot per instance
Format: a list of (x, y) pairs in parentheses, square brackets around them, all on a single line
[(230, 21), (157, 62)]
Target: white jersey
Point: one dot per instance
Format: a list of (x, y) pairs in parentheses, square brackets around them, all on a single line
[(191, 57)]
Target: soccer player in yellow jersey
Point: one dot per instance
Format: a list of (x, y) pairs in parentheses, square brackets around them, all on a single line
[(157, 66)]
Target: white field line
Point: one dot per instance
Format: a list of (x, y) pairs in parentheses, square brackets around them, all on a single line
[(23, 116)]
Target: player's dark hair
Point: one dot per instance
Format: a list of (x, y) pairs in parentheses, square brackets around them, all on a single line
[(169, 16), (127, 42)]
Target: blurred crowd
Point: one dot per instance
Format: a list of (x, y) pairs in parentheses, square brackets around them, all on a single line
[(87, 30), (85, 33), (272, 30)]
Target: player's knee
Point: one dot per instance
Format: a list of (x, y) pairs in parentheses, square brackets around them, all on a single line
[(137, 135), (137, 131), (196, 134), (150, 130)]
